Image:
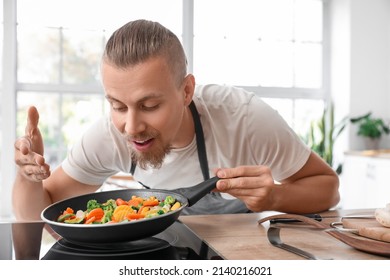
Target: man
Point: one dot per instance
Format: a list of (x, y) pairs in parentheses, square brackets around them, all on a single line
[(170, 133)]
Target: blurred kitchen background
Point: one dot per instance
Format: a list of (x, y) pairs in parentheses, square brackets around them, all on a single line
[(307, 58)]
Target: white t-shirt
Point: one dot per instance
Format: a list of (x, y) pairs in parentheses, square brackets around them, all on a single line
[(239, 129)]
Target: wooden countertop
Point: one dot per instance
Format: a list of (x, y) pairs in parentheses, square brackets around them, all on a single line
[(380, 153), (240, 237)]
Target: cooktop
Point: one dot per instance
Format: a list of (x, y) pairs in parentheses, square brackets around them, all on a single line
[(37, 241)]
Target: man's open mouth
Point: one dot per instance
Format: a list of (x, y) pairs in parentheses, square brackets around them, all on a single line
[(142, 144)]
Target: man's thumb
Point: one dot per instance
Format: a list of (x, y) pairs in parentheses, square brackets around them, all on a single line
[(32, 121)]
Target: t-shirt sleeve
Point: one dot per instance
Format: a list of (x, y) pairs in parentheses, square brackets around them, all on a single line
[(273, 140)]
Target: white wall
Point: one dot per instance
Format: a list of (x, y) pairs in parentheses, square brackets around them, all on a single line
[(360, 63)]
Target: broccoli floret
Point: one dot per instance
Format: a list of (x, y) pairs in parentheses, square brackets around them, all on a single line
[(92, 204), (169, 200), (108, 208), (109, 205), (107, 216)]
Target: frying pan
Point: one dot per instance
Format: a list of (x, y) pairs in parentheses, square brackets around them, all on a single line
[(126, 231)]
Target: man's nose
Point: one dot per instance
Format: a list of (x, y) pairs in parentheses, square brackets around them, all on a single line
[(134, 123)]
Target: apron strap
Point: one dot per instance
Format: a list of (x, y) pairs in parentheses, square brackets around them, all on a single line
[(132, 168), (200, 143)]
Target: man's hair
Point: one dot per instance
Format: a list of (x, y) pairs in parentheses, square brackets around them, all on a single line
[(140, 40)]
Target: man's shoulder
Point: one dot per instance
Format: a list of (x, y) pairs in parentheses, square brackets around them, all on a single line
[(210, 91), (222, 96)]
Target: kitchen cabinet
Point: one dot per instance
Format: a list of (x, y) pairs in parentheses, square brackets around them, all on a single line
[(365, 180)]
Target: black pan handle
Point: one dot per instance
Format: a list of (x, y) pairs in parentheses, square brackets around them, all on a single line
[(195, 193)]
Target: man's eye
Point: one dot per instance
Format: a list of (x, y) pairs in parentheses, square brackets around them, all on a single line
[(119, 108), (150, 107)]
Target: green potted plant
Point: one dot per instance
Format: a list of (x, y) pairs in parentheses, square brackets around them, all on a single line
[(323, 134), (371, 129)]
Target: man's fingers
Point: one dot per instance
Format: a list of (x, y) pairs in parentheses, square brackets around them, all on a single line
[(240, 183), (37, 176), (26, 155), (36, 160), (23, 144), (240, 177), (36, 173), (242, 171), (40, 160)]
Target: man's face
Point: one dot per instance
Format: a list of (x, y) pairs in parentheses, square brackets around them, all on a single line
[(148, 108)]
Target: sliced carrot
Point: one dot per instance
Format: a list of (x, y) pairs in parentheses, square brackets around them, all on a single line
[(143, 210), (135, 201), (135, 216), (98, 213), (90, 220), (151, 202), (120, 201), (69, 210)]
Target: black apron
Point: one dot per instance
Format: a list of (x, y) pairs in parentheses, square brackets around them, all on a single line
[(212, 203)]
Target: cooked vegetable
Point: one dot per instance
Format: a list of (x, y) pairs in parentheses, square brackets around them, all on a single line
[(92, 204), (176, 206), (65, 216), (74, 221), (135, 216), (107, 216), (109, 205), (151, 202), (120, 201), (119, 210), (135, 201), (90, 220), (169, 200), (98, 213), (143, 210)]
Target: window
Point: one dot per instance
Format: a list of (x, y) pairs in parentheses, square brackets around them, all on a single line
[(274, 43), (275, 48), (272, 47)]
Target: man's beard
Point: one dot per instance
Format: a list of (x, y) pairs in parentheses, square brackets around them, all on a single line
[(153, 158)]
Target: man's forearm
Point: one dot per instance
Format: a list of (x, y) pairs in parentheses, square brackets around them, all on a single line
[(307, 195), (28, 198)]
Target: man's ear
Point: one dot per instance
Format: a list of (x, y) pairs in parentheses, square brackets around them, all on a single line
[(189, 88)]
